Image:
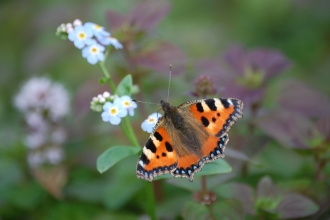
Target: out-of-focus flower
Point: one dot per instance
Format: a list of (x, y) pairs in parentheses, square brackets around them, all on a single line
[(111, 41), (98, 31), (248, 72), (39, 94), (204, 87), (53, 155), (35, 140), (128, 104), (93, 52), (113, 112), (149, 124), (81, 36)]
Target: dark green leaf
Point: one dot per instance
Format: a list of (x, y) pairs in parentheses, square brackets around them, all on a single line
[(216, 167), (230, 209), (125, 86), (113, 155), (193, 210)]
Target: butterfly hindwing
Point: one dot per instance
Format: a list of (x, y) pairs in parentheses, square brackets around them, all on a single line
[(158, 155)]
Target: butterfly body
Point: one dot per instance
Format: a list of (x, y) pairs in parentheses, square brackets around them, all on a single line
[(187, 137)]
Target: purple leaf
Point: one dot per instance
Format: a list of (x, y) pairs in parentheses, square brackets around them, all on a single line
[(300, 98), (147, 14), (247, 95), (323, 126), (271, 62), (288, 129), (296, 206), (161, 56), (266, 188), (114, 19)]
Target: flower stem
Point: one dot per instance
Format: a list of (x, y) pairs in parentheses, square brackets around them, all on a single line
[(127, 129), (107, 76), (151, 201)]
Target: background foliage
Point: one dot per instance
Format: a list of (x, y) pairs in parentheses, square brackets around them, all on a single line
[(279, 152)]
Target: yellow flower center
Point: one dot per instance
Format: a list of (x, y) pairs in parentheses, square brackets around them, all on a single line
[(81, 35), (126, 103), (97, 27), (113, 111), (94, 50), (151, 120)]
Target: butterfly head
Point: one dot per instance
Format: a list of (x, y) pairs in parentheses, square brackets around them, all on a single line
[(165, 106)]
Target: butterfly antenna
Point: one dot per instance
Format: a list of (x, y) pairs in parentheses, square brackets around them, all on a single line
[(145, 102), (169, 83)]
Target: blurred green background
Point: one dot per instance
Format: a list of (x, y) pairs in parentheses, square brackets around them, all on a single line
[(201, 30)]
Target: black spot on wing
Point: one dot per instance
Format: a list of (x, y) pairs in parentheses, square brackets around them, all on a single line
[(144, 159), (169, 147), (163, 154), (199, 107), (151, 146), (214, 119), (218, 114), (211, 104), (158, 136), (205, 122), (225, 103)]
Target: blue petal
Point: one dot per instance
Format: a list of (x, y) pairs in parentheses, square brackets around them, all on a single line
[(115, 120), (122, 112), (107, 106), (100, 56), (92, 59), (79, 44), (105, 116)]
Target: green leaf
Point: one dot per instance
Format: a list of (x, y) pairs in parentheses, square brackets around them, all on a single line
[(193, 210), (125, 86), (230, 209), (216, 167), (103, 80), (113, 155)]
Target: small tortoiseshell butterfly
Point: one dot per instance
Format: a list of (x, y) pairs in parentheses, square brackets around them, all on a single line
[(187, 137)]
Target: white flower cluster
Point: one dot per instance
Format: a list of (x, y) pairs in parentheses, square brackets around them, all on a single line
[(43, 104)]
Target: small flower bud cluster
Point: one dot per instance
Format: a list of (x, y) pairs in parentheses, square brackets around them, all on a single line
[(64, 29), (43, 104), (98, 101), (204, 87), (91, 38)]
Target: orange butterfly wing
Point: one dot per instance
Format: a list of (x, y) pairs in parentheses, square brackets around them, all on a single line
[(158, 155)]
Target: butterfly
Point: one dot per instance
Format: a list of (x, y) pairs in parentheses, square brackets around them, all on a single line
[(187, 137)]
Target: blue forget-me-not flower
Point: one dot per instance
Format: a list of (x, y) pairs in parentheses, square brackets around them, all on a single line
[(80, 36), (97, 30), (149, 124), (93, 52), (128, 104), (113, 112)]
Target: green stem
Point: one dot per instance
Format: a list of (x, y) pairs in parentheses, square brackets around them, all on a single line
[(151, 201), (107, 75), (131, 132)]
